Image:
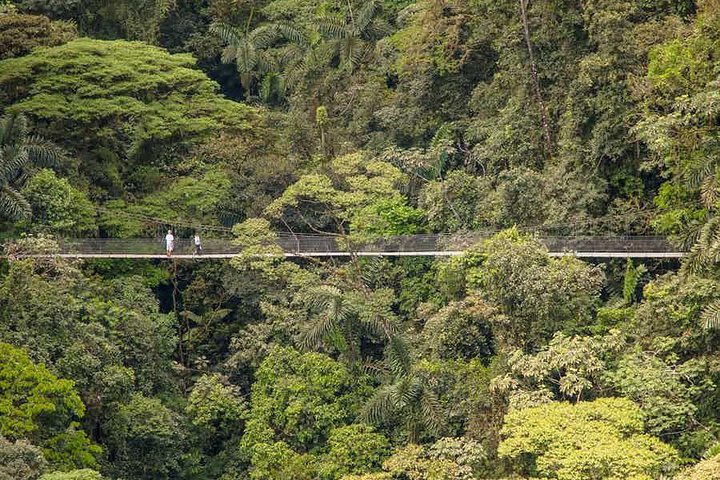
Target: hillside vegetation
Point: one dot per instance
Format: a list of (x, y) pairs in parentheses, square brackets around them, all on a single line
[(363, 119)]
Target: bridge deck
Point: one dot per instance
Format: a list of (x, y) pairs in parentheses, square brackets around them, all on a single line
[(330, 246)]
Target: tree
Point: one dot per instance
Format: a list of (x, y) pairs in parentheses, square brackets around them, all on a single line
[(670, 319), (38, 406), (20, 460), (707, 469), (129, 19), (331, 201), (84, 474), (248, 50), (19, 153), (446, 459), (20, 34), (297, 400), (57, 206), (461, 330), (342, 318), (545, 121), (406, 397), (536, 294), (665, 392), (29, 393), (144, 439), (599, 439), (568, 368), (216, 408), (353, 449), (159, 104), (350, 35)]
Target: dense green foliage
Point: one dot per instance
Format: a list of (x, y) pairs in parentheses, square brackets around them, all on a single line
[(361, 120)]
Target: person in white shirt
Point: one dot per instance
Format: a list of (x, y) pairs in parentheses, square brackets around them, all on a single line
[(198, 245), (169, 243)]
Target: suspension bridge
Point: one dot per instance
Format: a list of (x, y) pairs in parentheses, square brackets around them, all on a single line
[(318, 245)]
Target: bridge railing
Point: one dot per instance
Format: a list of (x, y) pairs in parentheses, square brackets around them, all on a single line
[(309, 244)]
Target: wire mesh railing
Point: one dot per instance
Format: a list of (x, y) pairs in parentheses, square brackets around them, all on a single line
[(309, 244)]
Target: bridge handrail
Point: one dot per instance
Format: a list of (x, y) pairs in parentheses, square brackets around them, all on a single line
[(315, 243)]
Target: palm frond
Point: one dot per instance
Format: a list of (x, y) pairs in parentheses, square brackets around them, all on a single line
[(323, 297), (292, 34), (378, 28), (290, 55), (432, 412), (227, 33), (246, 58), (13, 206), (397, 355), (42, 152), (707, 249), (696, 260), (321, 329), (229, 53), (365, 16), (264, 36), (710, 316), (374, 367), (13, 158), (690, 235), (13, 129), (331, 311), (267, 86), (332, 28), (358, 54), (442, 135), (709, 192), (697, 172), (381, 405)]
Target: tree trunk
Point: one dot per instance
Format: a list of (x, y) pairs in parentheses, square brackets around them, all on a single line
[(535, 79)]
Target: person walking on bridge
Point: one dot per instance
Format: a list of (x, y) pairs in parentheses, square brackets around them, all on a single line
[(198, 245), (169, 243)]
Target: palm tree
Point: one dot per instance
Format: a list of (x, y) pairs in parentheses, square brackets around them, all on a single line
[(352, 36), (703, 255), (19, 153), (406, 396), (249, 50), (339, 320), (705, 238)]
